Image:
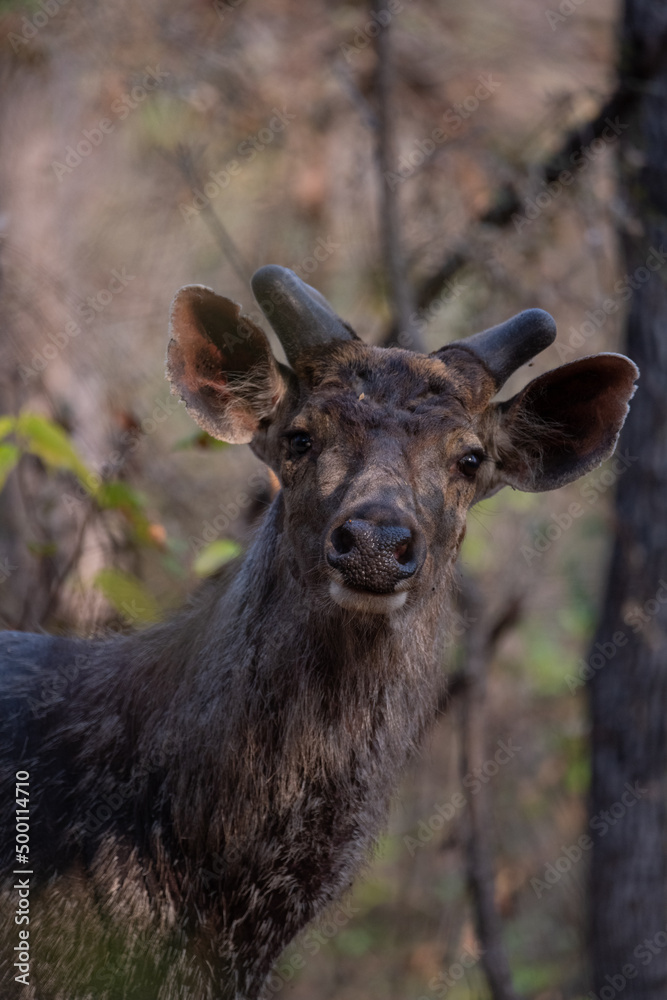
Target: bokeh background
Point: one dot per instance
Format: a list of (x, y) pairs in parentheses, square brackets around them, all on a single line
[(146, 146)]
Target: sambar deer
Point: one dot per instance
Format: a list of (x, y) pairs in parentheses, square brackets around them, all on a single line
[(204, 788)]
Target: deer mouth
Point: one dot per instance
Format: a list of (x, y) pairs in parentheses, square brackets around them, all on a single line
[(366, 600)]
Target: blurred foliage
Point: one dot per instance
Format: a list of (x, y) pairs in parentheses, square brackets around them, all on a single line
[(215, 555), (125, 593)]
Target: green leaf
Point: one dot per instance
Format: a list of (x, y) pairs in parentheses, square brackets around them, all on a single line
[(354, 941), (171, 563), (47, 440), (6, 426), (21, 5), (165, 122), (127, 594), (201, 440), (121, 495), (9, 456), (544, 660), (43, 549), (118, 495), (536, 977), (578, 777), (215, 555)]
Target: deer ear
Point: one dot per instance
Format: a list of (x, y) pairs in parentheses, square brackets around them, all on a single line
[(220, 364), (563, 424)]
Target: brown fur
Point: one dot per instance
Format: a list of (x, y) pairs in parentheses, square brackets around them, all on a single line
[(203, 789)]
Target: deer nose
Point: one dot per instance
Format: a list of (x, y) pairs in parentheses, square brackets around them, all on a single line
[(374, 556)]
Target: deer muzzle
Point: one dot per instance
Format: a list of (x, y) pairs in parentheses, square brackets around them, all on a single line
[(375, 554)]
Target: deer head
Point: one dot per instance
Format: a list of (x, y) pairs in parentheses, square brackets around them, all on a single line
[(381, 451)]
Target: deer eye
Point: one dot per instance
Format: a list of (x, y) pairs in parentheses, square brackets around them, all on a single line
[(299, 444), (470, 463)]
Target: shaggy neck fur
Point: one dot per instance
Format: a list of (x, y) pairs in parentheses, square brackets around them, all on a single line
[(263, 732)]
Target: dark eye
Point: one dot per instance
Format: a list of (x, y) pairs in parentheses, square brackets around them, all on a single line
[(470, 463), (299, 444)]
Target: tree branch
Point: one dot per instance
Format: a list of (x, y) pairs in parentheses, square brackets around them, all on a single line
[(506, 202), (404, 329)]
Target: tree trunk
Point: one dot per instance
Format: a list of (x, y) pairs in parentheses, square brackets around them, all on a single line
[(628, 692)]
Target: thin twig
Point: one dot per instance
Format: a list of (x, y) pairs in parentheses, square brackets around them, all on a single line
[(223, 239), (59, 578), (479, 641), (31, 519)]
